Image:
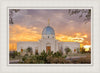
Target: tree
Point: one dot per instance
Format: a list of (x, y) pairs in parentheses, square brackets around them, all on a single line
[(13, 54), (81, 12), (67, 50), (89, 50), (11, 14), (82, 50), (78, 50), (60, 51)]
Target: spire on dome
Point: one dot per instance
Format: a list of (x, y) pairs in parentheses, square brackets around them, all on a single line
[(48, 22)]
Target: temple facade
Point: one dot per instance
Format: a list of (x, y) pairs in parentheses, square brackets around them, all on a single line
[(48, 43)]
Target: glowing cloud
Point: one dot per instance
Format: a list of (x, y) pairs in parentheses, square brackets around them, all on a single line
[(77, 37), (87, 47), (20, 33)]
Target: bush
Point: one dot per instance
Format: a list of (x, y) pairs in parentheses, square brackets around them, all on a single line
[(13, 54), (60, 51), (49, 59), (82, 50), (28, 60), (52, 58), (57, 54), (64, 56), (67, 50), (78, 50), (26, 55), (29, 50), (24, 58), (43, 56)]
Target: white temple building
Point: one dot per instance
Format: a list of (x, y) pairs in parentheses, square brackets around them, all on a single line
[(48, 43)]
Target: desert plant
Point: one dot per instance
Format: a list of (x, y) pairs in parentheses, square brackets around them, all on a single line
[(44, 55), (57, 54)]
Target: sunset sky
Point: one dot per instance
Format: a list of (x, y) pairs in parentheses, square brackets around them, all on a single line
[(29, 23)]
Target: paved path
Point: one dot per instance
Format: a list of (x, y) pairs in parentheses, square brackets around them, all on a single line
[(13, 61), (74, 57)]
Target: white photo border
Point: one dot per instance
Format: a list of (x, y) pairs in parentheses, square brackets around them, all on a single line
[(94, 4), (52, 8)]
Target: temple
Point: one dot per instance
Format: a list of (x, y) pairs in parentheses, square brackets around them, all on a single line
[(48, 43)]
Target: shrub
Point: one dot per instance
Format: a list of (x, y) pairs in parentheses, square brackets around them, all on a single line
[(28, 60), (26, 55), (13, 54), (57, 54), (18, 53), (45, 58), (24, 58), (64, 56), (67, 50), (82, 50), (49, 59), (60, 51), (78, 50), (56, 60), (43, 55), (29, 50), (50, 52)]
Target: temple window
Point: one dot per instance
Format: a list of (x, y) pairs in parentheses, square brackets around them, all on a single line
[(74, 50), (21, 50)]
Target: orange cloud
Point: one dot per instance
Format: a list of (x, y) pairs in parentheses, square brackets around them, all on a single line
[(85, 36), (77, 37), (77, 34), (21, 33)]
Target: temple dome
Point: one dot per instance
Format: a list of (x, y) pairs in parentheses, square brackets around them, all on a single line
[(48, 31)]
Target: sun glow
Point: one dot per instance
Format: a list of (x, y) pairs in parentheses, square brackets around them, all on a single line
[(87, 47)]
